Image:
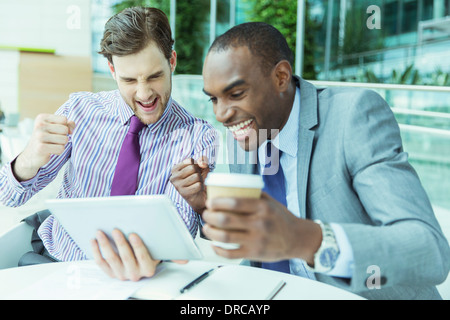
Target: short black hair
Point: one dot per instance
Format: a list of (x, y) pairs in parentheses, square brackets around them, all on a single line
[(264, 41)]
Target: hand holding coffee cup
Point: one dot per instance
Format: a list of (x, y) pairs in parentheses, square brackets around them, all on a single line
[(233, 185)]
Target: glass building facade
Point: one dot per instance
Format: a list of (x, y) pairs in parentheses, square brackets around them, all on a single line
[(410, 33), (343, 39)]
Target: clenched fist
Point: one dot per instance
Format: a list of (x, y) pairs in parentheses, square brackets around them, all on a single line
[(50, 136)]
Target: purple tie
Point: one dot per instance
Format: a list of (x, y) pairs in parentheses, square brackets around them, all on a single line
[(126, 175)]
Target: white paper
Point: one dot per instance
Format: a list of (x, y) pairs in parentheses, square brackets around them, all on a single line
[(79, 281), (223, 284)]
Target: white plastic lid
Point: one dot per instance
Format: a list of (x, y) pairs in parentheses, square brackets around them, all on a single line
[(239, 180)]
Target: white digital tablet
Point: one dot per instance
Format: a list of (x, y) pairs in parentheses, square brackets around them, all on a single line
[(153, 218)]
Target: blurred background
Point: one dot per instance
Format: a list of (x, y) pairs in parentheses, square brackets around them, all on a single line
[(400, 48)]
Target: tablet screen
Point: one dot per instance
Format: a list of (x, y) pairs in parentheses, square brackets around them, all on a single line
[(153, 217)]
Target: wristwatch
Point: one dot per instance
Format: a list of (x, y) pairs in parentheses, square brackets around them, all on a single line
[(325, 258)]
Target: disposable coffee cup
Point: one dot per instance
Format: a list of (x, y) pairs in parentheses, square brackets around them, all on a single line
[(233, 185)]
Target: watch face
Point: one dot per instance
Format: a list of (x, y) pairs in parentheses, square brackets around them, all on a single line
[(328, 257)]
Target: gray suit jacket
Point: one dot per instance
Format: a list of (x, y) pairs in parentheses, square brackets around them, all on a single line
[(352, 170)]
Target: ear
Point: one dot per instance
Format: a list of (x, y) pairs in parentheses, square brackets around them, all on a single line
[(173, 61), (282, 75), (112, 70)]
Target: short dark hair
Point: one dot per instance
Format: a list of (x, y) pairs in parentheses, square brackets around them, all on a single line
[(264, 41), (132, 29)]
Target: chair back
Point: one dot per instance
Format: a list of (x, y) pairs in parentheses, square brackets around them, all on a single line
[(14, 243)]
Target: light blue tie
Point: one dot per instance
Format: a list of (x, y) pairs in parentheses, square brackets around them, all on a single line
[(273, 178)]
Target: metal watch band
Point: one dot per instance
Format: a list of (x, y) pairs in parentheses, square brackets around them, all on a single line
[(328, 252)]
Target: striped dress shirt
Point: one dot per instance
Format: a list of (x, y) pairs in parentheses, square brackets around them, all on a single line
[(102, 121)]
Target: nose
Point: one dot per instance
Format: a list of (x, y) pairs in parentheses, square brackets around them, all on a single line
[(222, 111), (144, 92)]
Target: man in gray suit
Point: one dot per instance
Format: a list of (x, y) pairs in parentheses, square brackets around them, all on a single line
[(343, 164)]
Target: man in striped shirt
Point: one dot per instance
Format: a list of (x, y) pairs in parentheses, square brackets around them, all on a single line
[(86, 133)]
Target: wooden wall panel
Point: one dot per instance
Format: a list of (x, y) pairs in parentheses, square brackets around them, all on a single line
[(46, 81)]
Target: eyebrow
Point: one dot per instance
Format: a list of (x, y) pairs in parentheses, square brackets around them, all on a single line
[(152, 76), (229, 87)]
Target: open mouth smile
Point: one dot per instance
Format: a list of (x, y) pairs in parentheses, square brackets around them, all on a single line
[(241, 130), (148, 106)]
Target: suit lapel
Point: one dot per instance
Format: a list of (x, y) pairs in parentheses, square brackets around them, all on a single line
[(308, 120)]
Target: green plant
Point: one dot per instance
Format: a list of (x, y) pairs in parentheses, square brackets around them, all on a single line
[(409, 76), (160, 4), (440, 78)]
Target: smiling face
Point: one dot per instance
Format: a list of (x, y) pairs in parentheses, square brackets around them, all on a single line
[(244, 98), (144, 80)]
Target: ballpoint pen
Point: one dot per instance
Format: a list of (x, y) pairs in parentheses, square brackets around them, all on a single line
[(198, 280), (276, 290)]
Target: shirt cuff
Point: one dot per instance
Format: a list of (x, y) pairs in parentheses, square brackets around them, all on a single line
[(23, 185)]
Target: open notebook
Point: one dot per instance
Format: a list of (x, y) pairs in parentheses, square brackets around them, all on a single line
[(230, 282)]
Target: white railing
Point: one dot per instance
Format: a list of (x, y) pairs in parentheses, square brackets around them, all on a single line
[(320, 83), (382, 86), (430, 114)]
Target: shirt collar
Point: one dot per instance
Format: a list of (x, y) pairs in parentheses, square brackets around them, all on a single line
[(287, 140), (124, 110), (154, 127)]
